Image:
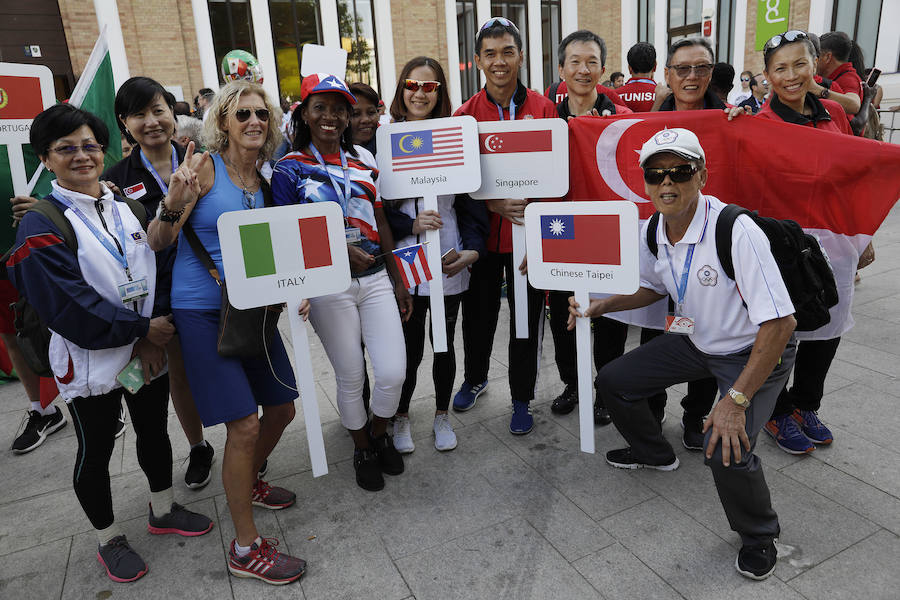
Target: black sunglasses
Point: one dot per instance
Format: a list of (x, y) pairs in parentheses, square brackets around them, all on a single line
[(779, 40), (679, 174), (503, 21), (243, 114)]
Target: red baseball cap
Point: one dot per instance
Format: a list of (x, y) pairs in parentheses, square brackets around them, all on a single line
[(320, 83)]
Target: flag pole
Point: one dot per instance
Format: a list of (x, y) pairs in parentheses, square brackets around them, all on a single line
[(583, 355)]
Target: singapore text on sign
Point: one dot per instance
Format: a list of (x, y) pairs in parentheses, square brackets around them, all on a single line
[(527, 158), (428, 158), (583, 245), (274, 255)]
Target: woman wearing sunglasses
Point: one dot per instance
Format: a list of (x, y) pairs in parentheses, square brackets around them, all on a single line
[(463, 224), (98, 300), (238, 134), (325, 166)]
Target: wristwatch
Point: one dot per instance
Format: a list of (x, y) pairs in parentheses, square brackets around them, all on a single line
[(168, 216), (739, 398), (824, 93)]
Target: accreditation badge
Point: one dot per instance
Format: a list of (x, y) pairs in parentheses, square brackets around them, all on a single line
[(679, 324), (134, 290)]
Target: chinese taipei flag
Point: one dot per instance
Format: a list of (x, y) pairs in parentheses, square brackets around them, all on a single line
[(413, 265), (575, 239)]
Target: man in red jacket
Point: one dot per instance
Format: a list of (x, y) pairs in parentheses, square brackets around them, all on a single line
[(834, 62), (639, 92), (498, 53)]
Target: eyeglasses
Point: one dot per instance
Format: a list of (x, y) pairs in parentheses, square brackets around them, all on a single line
[(745, 79), (413, 85), (779, 40), (73, 150), (243, 114), (684, 71), (499, 20), (679, 174)]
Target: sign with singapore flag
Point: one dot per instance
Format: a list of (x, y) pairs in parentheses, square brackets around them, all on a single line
[(286, 254)]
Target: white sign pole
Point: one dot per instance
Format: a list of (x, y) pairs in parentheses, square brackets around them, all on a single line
[(436, 285), (17, 169), (520, 281), (583, 356)]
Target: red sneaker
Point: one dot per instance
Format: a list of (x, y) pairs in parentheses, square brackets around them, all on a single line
[(266, 563), (271, 496)]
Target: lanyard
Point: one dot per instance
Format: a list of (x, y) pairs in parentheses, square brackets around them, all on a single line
[(512, 110), (681, 287), (149, 166), (642, 81), (119, 255), (343, 197)]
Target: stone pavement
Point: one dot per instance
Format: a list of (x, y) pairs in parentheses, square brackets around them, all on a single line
[(501, 516)]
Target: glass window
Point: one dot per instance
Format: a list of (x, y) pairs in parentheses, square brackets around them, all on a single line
[(294, 24), (356, 22), (725, 29), (551, 34), (684, 19), (860, 19), (232, 28), (676, 13), (466, 29), (517, 12), (646, 20)]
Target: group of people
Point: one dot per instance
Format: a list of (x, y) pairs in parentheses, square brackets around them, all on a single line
[(128, 290)]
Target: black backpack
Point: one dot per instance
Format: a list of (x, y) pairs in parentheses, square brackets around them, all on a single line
[(32, 335), (804, 267)]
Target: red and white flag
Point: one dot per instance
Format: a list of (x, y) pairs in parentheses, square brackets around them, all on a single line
[(515, 141), (413, 265)]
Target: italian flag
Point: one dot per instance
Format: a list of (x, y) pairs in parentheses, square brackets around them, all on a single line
[(260, 255)]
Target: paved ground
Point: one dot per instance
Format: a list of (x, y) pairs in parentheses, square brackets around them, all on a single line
[(502, 516)]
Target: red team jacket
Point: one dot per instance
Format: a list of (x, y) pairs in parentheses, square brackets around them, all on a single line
[(638, 94), (828, 115), (562, 91)]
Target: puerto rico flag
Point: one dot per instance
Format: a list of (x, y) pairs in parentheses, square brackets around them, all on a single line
[(413, 265), (584, 239)]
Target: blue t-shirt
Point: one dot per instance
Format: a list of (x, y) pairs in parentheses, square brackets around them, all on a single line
[(192, 285)]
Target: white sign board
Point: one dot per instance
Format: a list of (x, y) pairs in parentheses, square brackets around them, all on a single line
[(287, 254), (323, 59)]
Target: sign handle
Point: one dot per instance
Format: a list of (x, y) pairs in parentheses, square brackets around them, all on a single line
[(436, 285), (520, 281), (17, 169), (306, 385), (583, 356)]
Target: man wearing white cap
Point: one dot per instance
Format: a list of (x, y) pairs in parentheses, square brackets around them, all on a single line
[(736, 330)]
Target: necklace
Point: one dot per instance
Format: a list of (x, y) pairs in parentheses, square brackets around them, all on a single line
[(249, 198)]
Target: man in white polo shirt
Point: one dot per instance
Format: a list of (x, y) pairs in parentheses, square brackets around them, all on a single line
[(736, 330)]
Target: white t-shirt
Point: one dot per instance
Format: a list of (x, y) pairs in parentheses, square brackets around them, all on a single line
[(723, 324)]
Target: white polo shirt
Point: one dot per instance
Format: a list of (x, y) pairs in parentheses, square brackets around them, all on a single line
[(723, 324)]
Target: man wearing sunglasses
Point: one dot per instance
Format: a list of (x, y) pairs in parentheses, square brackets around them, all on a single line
[(759, 86), (498, 53), (742, 93), (738, 331)]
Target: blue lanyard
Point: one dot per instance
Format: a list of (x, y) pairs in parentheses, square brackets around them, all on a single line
[(149, 166), (345, 195), (512, 110), (642, 81), (681, 287), (120, 232)]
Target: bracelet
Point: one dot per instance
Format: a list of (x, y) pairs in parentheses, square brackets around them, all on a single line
[(168, 216)]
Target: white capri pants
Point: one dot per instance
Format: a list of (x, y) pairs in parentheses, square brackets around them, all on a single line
[(367, 310)]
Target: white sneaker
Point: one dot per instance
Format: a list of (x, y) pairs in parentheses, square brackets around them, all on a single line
[(403, 441), (444, 438)]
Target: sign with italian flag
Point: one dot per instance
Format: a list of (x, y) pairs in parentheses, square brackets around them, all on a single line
[(273, 255)]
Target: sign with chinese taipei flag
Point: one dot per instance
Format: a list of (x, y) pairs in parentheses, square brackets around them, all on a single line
[(286, 254)]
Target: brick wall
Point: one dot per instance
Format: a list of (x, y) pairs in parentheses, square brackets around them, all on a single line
[(603, 17), (419, 29)]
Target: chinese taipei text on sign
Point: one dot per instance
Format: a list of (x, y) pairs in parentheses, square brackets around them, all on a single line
[(426, 159), (286, 254)]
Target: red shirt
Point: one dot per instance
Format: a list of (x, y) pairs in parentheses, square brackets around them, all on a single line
[(827, 115), (529, 105), (849, 80), (638, 94), (562, 91)]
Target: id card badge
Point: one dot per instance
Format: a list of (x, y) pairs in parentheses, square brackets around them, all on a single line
[(353, 235), (678, 324), (134, 290)]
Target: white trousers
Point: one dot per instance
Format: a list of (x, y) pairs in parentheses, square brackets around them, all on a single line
[(367, 310)]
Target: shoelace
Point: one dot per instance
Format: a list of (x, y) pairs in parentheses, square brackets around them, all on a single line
[(261, 489), (787, 426), (443, 423), (267, 549), (30, 415), (118, 546)]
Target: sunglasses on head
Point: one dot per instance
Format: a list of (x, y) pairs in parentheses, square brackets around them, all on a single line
[(499, 20), (779, 40), (679, 174), (413, 85), (243, 114)]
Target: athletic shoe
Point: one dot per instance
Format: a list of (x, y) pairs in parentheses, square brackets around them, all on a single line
[(692, 438), (368, 471), (601, 413), (756, 562), (121, 425), (467, 395), (565, 402), (444, 437), (179, 520), (199, 463), (403, 441), (812, 427), (787, 435), (263, 469), (122, 564), (522, 421), (37, 428), (266, 563), (272, 496), (389, 459), (624, 459)]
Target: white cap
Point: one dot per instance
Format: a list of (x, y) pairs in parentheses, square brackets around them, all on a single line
[(677, 141)]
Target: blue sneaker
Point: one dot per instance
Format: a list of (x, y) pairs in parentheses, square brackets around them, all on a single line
[(812, 427), (522, 422), (788, 436), (467, 395)]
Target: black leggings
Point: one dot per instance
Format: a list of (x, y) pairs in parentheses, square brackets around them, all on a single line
[(95, 419), (810, 369), (444, 367)]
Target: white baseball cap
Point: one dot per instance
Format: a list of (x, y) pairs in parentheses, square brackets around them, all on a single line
[(678, 141)]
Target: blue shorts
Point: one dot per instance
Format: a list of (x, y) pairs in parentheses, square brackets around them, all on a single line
[(228, 389)]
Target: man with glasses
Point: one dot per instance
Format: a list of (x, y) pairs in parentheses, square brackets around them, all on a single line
[(738, 331), (759, 87), (742, 93), (498, 53)]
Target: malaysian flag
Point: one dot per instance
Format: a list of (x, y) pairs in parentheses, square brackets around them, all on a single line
[(427, 149), (413, 265)]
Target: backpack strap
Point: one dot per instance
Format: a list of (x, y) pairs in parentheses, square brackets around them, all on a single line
[(724, 228), (651, 233), (51, 210), (136, 207)]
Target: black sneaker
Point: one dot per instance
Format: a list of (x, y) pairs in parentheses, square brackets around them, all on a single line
[(121, 562), (601, 413), (263, 469), (756, 562), (565, 402), (179, 520), (37, 428), (368, 471), (121, 426), (199, 463), (693, 435), (389, 459), (623, 459)]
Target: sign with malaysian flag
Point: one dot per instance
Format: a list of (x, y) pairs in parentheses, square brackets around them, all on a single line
[(412, 264)]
